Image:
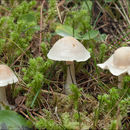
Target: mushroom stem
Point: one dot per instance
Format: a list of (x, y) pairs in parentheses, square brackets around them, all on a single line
[(3, 98), (120, 81), (70, 76)]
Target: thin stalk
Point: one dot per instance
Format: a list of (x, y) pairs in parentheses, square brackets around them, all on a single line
[(120, 81), (41, 24), (3, 98), (70, 77), (125, 15)]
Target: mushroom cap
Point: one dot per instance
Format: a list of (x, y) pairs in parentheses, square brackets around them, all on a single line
[(119, 62), (68, 49), (7, 76)]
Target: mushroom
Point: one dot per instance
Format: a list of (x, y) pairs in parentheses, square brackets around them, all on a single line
[(6, 77), (118, 63), (68, 49)]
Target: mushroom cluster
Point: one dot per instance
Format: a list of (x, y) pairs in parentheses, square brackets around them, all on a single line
[(118, 63), (69, 49), (6, 77)]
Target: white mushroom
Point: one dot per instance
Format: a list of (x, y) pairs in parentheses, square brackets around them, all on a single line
[(69, 49), (6, 77), (118, 63)]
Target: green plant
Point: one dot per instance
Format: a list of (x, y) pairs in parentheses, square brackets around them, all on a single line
[(35, 77), (52, 12), (17, 29), (12, 120), (48, 124), (47, 121), (82, 30), (126, 81), (21, 23), (102, 51), (12, 2), (113, 125), (76, 94), (67, 122), (83, 15), (111, 102)]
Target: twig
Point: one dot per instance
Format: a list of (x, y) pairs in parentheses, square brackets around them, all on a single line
[(4, 9), (38, 115), (54, 93), (59, 14), (41, 17), (20, 55), (61, 3), (106, 116), (26, 116), (125, 15), (15, 45)]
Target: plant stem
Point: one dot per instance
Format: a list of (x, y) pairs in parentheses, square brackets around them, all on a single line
[(3, 98), (120, 81), (70, 77)]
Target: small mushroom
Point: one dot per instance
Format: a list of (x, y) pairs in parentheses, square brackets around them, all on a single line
[(118, 63), (69, 49), (6, 77)]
